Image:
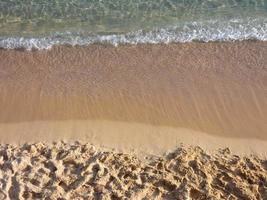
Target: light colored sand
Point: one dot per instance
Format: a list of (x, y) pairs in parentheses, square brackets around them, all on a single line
[(81, 171), (141, 100), (137, 138)]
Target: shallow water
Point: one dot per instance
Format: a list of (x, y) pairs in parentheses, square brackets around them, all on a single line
[(35, 24)]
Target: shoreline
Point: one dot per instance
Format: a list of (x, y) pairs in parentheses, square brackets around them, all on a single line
[(218, 89), (104, 44)]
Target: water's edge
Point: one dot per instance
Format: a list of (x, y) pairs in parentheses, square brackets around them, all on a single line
[(204, 31)]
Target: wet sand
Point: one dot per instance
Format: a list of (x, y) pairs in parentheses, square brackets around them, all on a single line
[(148, 97)]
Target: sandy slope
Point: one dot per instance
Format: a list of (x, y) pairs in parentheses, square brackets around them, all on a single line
[(142, 100), (100, 93), (81, 171)]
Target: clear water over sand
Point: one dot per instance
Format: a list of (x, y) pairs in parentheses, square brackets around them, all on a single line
[(36, 24)]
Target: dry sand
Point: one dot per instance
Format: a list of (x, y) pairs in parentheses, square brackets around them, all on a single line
[(81, 171)]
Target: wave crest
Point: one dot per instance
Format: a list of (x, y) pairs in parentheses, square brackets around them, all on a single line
[(212, 30)]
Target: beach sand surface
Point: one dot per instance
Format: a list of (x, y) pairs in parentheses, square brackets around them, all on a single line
[(141, 98), (82, 171)]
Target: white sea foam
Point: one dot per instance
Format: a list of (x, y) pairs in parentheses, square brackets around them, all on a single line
[(212, 30)]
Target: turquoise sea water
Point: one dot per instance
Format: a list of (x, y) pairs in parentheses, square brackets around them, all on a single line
[(43, 23)]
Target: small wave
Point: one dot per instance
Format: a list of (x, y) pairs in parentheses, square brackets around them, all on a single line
[(212, 30)]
